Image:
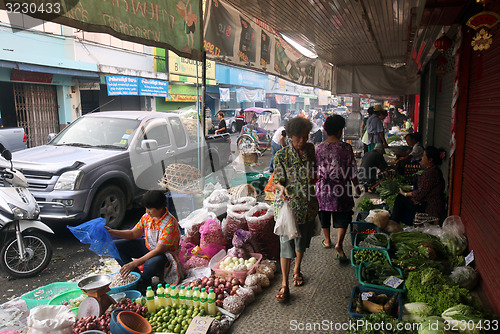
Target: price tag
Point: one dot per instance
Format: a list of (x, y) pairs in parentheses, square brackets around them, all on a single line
[(469, 258), (366, 295), (393, 282)]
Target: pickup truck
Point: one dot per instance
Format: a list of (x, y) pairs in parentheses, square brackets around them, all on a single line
[(14, 139), (101, 163)]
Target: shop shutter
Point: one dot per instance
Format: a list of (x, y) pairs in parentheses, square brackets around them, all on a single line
[(442, 117), (480, 201)]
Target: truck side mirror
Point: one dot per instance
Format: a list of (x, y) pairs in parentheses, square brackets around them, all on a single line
[(51, 136), (149, 145), (7, 155)]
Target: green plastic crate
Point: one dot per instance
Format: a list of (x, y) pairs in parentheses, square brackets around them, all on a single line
[(376, 286), (43, 295)]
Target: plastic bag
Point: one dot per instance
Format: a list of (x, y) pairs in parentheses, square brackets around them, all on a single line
[(54, 319), (192, 224), (235, 220), (453, 235), (245, 239), (217, 202), (94, 233), (211, 233), (465, 277), (270, 186), (211, 249), (196, 261), (185, 252), (286, 224)]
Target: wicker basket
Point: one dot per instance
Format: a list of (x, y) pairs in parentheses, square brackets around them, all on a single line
[(250, 158)]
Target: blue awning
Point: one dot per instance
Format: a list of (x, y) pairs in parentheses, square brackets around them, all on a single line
[(47, 69)]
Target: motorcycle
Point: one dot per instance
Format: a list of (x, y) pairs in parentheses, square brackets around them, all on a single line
[(26, 250)]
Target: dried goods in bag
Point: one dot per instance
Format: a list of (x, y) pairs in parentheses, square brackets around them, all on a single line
[(211, 233), (235, 220), (192, 223), (260, 220), (217, 202), (245, 239)]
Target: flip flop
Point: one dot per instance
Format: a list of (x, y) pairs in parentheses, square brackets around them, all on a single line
[(325, 246), (298, 279), (283, 294), (342, 259)]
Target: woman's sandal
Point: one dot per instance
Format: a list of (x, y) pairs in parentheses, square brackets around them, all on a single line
[(283, 294), (298, 279)]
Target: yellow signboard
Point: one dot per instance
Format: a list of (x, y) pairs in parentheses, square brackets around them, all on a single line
[(187, 67)]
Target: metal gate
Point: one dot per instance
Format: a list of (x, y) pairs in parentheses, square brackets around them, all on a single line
[(36, 109)]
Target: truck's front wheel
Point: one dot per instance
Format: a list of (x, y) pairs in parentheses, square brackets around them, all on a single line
[(109, 203)]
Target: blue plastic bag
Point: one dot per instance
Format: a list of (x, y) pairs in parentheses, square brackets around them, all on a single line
[(94, 233)]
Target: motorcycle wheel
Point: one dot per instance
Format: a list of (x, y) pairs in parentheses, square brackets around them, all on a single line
[(38, 255)]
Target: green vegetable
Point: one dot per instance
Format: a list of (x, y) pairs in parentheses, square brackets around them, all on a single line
[(433, 325), (365, 205), (369, 255), (462, 316), (393, 138), (389, 189), (431, 287), (417, 309), (375, 273)]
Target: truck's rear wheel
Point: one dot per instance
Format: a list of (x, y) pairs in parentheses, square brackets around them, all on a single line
[(109, 203), (233, 128)]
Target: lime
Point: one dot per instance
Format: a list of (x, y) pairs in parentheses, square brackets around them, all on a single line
[(170, 327), (183, 331)]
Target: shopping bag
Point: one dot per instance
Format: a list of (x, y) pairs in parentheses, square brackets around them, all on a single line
[(286, 224)]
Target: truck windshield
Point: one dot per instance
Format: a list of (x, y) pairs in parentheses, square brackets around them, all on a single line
[(98, 132)]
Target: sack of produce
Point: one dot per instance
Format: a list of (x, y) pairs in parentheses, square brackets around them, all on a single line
[(260, 220), (245, 239), (57, 319), (453, 235), (185, 252), (192, 223), (245, 200), (465, 277), (196, 261), (211, 233), (246, 294), (217, 202), (234, 304), (235, 220), (378, 217)]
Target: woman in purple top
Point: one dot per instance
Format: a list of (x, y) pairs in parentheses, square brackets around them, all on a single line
[(336, 170)]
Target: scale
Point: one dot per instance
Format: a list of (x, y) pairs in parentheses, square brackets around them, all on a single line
[(98, 301)]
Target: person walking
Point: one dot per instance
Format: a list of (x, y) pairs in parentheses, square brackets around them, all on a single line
[(222, 124), (336, 171), (277, 143), (375, 127), (294, 178)]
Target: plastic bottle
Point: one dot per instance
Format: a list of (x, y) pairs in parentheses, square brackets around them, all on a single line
[(150, 300), (196, 297), (189, 296), (166, 292), (212, 309), (204, 300), (174, 295), (182, 295), (160, 294)]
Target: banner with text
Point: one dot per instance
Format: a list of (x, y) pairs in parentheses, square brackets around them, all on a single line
[(249, 42), (168, 24), (124, 85)]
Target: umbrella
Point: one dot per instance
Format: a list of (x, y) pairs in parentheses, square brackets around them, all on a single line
[(255, 109)]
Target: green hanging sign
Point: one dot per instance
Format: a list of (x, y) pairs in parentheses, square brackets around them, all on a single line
[(173, 25)]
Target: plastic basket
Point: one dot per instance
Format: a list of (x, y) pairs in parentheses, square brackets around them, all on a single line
[(361, 236), (240, 275), (383, 251), (66, 297), (43, 295), (361, 216), (383, 287), (361, 227), (360, 289), (130, 286)]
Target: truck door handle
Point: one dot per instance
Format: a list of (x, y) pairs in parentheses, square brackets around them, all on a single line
[(170, 151)]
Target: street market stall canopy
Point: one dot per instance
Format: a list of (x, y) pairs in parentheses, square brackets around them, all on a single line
[(376, 47)]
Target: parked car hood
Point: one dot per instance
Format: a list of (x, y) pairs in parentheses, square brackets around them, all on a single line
[(53, 159)]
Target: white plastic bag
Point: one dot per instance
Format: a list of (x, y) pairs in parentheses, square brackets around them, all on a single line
[(453, 235), (286, 224), (51, 319), (217, 202)]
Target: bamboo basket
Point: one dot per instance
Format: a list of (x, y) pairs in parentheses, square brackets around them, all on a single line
[(250, 158)]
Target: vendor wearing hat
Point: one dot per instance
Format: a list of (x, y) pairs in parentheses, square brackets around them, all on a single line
[(375, 127), (372, 162)]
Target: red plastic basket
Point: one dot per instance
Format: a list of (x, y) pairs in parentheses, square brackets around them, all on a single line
[(240, 275)]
